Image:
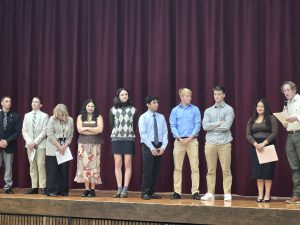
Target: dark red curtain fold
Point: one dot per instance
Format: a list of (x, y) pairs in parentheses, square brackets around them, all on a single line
[(69, 50)]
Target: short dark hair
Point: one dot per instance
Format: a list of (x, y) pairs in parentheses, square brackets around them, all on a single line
[(6, 96), (39, 98), (150, 98), (219, 88)]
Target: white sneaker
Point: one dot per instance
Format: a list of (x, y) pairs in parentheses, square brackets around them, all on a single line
[(207, 197), (227, 198)]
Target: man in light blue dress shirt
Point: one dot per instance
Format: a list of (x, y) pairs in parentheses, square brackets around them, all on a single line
[(154, 139), (217, 122), (185, 122)]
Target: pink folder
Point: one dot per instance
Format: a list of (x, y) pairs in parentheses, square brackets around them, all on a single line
[(268, 154)]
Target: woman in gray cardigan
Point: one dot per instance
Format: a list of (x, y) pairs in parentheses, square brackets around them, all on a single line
[(60, 131)]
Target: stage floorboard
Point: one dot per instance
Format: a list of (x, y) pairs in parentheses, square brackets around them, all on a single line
[(242, 210)]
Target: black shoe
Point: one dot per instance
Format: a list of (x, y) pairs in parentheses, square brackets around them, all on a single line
[(9, 191), (32, 191), (154, 196), (42, 191), (117, 195), (196, 196), (51, 194), (266, 200), (145, 197), (259, 199), (65, 194), (175, 196), (85, 193), (92, 193)]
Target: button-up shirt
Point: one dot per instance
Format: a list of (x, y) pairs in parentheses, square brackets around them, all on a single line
[(185, 121), (146, 129), (216, 133), (293, 109)]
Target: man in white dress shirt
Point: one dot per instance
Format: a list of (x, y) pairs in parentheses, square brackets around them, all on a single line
[(34, 132)]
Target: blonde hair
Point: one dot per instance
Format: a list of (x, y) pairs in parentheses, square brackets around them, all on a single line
[(292, 85), (61, 109), (184, 91)]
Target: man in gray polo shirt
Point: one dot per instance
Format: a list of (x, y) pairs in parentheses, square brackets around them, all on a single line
[(217, 122)]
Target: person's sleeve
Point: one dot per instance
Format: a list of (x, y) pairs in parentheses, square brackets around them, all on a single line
[(274, 130), (25, 134), (71, 133), (228, 120), (111, 119), (50, 132), (165, 134), (207, 125), (143, 132), (197, 121), (249, 133), (16, 130), (173, 124), (43, 134)]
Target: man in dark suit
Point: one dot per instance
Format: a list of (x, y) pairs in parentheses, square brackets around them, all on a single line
[(9, 131)]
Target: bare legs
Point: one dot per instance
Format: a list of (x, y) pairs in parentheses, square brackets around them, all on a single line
[(122, 192), (261, 184)]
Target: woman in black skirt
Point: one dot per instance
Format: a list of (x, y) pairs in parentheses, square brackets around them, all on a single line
[(261, 131), (123, 118)]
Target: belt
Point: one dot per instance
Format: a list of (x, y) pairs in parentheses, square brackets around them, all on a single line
[(293, 131), (184, 138)]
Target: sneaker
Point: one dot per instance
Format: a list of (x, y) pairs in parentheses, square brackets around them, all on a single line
[(227, 198), (208, 197)]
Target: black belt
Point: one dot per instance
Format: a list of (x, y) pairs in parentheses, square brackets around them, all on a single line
[(184, 138), (293, 131)]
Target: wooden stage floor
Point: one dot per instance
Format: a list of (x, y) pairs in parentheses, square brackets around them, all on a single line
[(242, 210)]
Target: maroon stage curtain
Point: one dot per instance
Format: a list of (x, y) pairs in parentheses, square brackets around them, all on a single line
[(69, 50)]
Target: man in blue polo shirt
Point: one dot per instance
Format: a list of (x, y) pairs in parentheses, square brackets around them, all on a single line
[(154, 138), (185, 122)]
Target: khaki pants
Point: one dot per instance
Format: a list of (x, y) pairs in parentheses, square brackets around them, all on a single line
[(37, 169), (212, 153), (178, 154)]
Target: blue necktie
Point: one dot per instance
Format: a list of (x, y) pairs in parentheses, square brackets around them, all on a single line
[(5, 121), (156, 141)]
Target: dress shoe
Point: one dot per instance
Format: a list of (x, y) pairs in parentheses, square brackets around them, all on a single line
[(9, 191), (294, 200), (117, 195), (42, 191), (145, 197), (259, 199), (154, 196), (51, 194), (196, 196), (32, 191), (92, 193), (123, 195), (65, 194), (175, 196), (266, 200), (85, 193)]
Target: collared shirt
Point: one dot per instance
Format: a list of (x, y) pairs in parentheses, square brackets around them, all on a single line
[(216, 133), (146, 129), (293, 107), (185, 121)]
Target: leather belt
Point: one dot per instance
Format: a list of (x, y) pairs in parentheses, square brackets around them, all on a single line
[(293, 131)]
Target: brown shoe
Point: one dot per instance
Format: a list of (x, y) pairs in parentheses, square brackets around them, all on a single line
[(294, 200)]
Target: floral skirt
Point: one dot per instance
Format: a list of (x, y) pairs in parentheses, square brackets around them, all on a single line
[(88, 163)]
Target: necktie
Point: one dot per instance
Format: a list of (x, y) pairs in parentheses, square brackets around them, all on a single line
[(155, 130), (34, 124), (5, 121)]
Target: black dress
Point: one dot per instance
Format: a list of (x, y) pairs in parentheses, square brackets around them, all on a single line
[(258, 132)]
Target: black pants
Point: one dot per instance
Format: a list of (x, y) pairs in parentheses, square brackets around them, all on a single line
[(57, 177), (151, 166)]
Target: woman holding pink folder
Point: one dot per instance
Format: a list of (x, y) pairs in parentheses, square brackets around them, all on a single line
[(261, 131)]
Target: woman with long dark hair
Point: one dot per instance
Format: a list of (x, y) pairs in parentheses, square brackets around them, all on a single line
[(89, 126), (123, 119), (261, 131)]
